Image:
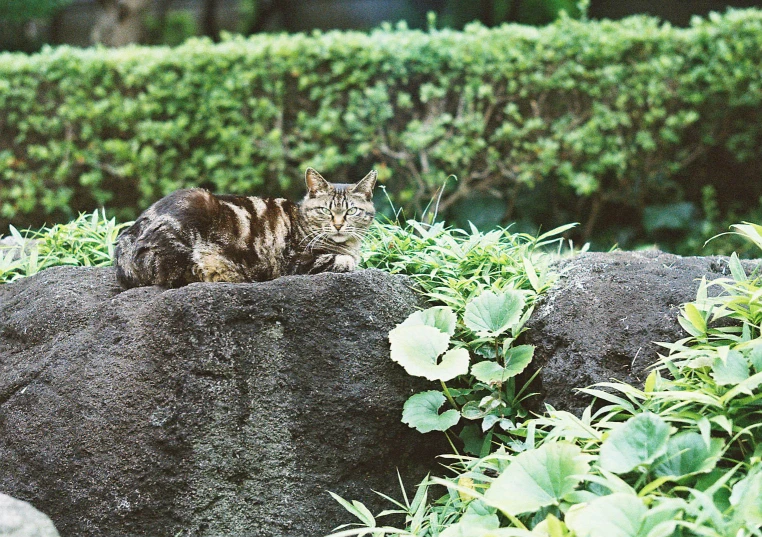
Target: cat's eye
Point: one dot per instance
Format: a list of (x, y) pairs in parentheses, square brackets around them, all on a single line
[(352, 210), (323, 210)]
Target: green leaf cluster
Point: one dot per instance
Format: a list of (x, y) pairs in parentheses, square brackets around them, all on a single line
[(420, 343), (594, 116), (487, 282), (87, 241), (681, 457)]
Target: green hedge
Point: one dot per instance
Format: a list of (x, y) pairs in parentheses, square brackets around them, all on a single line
[(630, 127)]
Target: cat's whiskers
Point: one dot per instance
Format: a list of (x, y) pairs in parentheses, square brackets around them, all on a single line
[(354, 233), (321, 239), (309, 236), (312, 243), (318, 240)]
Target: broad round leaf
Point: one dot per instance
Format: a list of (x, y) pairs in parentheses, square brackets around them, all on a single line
[(418, 349), (475, 522), (687, 454), (472, 411), (421, 411), (491, 314), (746, 499), (465, 529), (662, 517), (638, 441), (491, 419), (440, 317), (516, 360), (454, 363), (732, 370), (615, 515), (489, 372), (538, 477), (755, 356)]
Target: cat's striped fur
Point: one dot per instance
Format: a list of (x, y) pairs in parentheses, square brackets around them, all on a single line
[(194, 236)]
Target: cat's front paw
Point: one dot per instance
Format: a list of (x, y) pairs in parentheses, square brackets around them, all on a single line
[(344, 263)]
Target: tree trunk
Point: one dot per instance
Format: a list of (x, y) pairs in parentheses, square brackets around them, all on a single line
[(209, 25), (264, 12), (487, 12), (120, 22), (513, 11), (164, 6)]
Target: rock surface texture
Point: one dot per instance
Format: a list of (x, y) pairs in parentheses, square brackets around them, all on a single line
[(601, 320), (231, 409), (211, 410), (20, 519)]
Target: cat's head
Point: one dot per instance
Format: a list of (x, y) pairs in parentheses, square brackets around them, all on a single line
[(335, 212)]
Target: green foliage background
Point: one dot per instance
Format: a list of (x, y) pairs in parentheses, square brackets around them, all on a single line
[(640, 131), (24, 10)]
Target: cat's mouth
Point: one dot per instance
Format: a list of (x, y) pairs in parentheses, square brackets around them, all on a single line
[(339, 237)]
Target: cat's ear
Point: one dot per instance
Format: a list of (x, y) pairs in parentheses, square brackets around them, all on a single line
[(365, 185), (315, 183)]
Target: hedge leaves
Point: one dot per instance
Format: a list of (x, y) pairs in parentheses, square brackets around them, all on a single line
[(604, 115)]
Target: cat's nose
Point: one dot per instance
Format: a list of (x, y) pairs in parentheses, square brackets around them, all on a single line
[(338, 225)]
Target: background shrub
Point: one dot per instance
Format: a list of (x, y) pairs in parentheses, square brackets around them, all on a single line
[(640, 131)]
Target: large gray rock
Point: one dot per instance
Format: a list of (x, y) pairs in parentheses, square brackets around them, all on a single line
[(211, 410), (20, 519), (602, 319)]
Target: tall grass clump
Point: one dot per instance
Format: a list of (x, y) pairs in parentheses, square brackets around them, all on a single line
[(452, 265), (86, 241)]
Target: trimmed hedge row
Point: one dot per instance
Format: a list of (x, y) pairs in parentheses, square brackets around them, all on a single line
[(594, 121)]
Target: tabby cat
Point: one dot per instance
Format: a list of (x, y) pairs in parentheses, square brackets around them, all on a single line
[(194, 236)]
